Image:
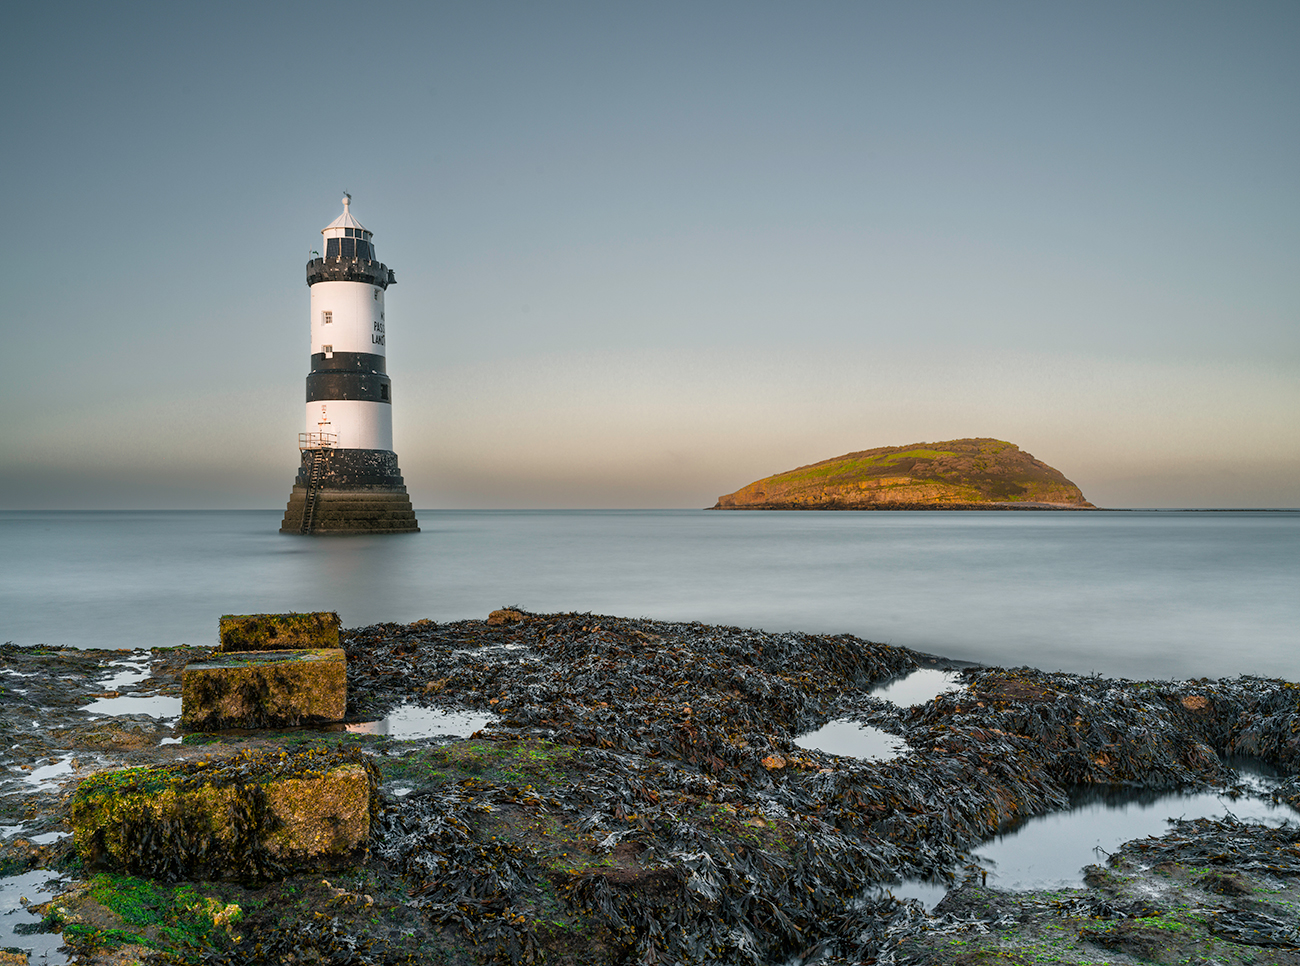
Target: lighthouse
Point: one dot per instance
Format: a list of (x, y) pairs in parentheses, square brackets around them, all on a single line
[(348, 480)]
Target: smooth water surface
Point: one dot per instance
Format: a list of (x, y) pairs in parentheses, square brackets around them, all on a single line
[(1049, 852), (410, 721), (846, 737), (1137, 594), (852, 740), (919, 687), (155, 705), (42, 947)]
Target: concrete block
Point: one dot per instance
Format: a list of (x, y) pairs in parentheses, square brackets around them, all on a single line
[(264, 689), (255, 815), (279, 632)]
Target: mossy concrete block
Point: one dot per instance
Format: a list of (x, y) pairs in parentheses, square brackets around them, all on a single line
[(279, 632), (256, 815), (264, 689)]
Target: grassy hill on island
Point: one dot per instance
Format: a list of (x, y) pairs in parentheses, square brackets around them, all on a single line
[(956, 474)]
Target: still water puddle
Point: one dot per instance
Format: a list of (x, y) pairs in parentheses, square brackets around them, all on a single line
[(852, 740), (49, 838), (846, 737), (130, 673), (410, 721), (918, 687), (47, 777), (1050, 851), (156, 706), (35, 888)]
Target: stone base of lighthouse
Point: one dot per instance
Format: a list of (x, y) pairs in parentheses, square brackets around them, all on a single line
[(349, 491)]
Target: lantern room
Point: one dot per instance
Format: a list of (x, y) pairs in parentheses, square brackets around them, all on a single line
[(346, 238)]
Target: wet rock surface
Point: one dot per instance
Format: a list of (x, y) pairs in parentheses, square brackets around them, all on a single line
[(641, 797), (276, 632), (264, 689), (253, 816)]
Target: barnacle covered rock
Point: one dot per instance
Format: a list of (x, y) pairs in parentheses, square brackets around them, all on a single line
[(251, 816)]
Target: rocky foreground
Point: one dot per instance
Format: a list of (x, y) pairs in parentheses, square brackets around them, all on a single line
[(957, 474), (640, 798)]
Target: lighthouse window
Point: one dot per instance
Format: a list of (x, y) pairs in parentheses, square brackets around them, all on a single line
[(331, 248), (326, 317), (349, 247), (383, 392)]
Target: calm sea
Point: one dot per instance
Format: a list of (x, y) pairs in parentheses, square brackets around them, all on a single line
[(1135, 594)]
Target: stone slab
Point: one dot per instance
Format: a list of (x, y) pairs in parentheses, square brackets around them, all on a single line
[(264, 689), (278, 632), (255, 815)]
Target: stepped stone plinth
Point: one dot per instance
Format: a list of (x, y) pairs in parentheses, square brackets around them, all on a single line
[(349, 491)]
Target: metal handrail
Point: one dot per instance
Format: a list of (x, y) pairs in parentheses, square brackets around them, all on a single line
[(317, 440)]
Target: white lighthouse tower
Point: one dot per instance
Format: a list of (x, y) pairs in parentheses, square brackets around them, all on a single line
[(348, 480)]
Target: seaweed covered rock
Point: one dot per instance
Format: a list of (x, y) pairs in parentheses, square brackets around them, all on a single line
[(642, 794), (717, 698), (265, 689), (279, 632), (1269, 724), (252, 816), (1084, 730)]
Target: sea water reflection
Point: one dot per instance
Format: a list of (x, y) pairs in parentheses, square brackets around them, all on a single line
[(17, 892), (852, 740), (411, 721), (918, 687), (1137, 594), (1051, 851), (844, 736)]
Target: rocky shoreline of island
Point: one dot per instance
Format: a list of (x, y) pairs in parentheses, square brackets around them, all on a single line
[(834, 505), (639, 793)]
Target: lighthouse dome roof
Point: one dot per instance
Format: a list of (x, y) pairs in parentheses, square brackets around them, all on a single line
[(344, 220)]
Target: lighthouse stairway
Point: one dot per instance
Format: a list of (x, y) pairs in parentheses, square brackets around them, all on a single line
[(313, 490)]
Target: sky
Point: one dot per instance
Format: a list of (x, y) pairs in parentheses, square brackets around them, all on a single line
[(649, 253)]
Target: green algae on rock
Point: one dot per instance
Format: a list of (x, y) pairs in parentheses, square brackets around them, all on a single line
[(264, 689), (958, 474), (253, 816), (132, 916), (279, 632)]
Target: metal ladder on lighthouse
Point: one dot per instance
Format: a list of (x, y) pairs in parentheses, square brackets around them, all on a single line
[(313, 490)]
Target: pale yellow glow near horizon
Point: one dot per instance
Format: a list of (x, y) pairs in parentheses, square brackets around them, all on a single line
[(678, 429), (627, 429)]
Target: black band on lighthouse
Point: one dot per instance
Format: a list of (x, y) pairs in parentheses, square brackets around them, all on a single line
[(350, 270), (345, 361), (367, 386)]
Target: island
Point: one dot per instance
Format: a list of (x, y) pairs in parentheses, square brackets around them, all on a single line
[(957, 474)]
